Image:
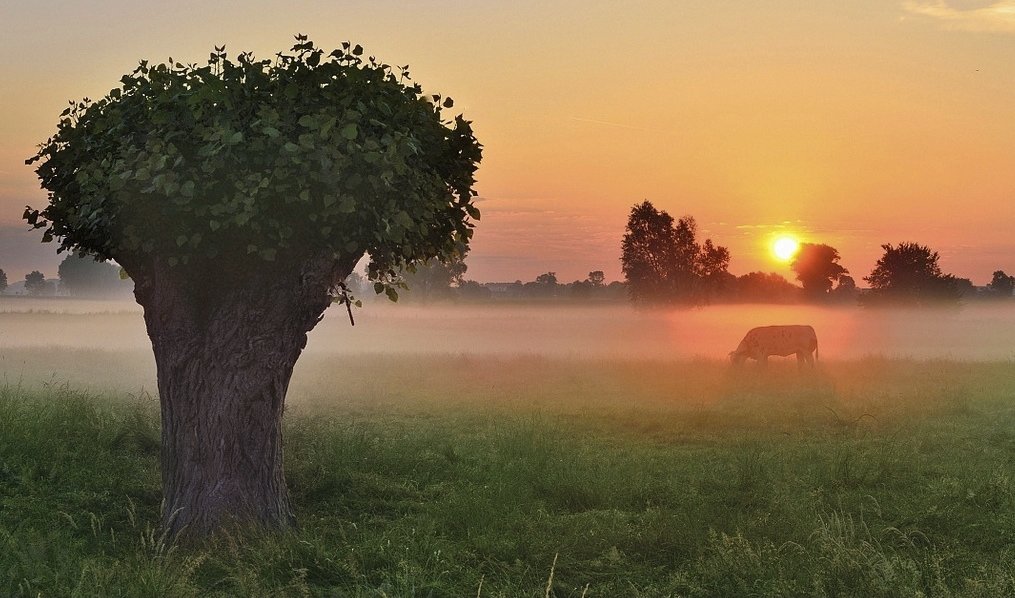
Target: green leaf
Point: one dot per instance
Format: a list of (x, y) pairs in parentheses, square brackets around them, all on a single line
[(214, 224), (349, 131), (472, 211), (448, 102), (180, 240), (291, 147), (235, 138), (271, 132), (391, 293), (187, 189)]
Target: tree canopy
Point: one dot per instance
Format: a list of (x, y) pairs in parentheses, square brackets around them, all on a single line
[(261, 160), (817, 268), (909, 273), (663, 261)]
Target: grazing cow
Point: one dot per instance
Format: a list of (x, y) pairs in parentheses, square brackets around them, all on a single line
[(761, 342)]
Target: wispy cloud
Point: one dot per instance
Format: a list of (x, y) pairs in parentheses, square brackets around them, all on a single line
[(998, 15)]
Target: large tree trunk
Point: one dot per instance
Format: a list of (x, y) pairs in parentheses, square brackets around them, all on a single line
[(224, 360)]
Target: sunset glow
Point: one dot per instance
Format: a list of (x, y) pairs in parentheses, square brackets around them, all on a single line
[(861, 123), (785, 248)]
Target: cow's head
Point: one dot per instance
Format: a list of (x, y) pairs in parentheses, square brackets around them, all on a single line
[(737, 358)]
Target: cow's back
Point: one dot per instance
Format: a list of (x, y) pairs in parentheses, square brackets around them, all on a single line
[(781, 340)]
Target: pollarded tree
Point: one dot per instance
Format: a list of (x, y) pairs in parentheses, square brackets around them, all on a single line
[(238, 195)]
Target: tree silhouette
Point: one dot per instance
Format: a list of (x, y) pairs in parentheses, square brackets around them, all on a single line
[(662, 261), (35, 283), (817, 268), (1001, 284), (909, 273), (597, 279), (82, 276), (3, 281), (238, 195), (761, 287)]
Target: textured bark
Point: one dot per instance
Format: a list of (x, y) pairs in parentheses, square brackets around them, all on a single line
[(224, 360)]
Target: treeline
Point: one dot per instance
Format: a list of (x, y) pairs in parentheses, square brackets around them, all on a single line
[(78, 276), (664, 263)]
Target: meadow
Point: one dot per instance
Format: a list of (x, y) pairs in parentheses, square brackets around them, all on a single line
[(557, 457)]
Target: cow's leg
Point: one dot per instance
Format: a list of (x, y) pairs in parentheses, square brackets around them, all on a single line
[(801, 357)]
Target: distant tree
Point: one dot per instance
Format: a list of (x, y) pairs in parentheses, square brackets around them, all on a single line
[(1001, 285), (662, 261), (909, 273), (433, 278), (761, 287), (3, 281), (817, 268), (965, 288), (82, 276), (548, 279), (846, 289), (544, 286), (36, 284), (471, 290), (597, 278)]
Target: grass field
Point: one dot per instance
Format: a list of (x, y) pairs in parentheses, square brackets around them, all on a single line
[(458, 475)]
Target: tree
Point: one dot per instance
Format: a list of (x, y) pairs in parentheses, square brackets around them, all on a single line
[(238, 195), (817, 268), (3, 281), (597, 279), (82, 276), (761, 287), (909, 273), (35, 284), (846, 289), (545, 285), (1001, 285), (663, 261), (433, 278)]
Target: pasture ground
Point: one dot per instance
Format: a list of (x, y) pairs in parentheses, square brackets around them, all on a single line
[(460, 475)]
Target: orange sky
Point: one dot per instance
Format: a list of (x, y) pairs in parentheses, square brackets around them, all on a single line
[(849, 123)]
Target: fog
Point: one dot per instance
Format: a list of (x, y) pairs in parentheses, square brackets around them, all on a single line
[(104, 344)]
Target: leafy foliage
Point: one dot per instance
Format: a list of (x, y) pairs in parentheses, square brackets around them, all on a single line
[(761, 287), (36, 284), (256, 161), (663, 261), (1001, 284), (3, 281), (910, 273), (817, 268)]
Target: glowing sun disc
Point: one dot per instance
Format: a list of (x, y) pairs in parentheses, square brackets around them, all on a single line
[(785, 248)]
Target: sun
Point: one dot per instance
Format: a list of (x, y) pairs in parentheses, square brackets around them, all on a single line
[(785, 248)]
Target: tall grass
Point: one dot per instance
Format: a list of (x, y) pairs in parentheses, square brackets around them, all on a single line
[(458, 476)]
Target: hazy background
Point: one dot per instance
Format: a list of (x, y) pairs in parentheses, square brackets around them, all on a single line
[(103, 345)]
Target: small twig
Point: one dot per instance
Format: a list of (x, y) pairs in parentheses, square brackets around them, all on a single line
[(347, 301), (479, 591)]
